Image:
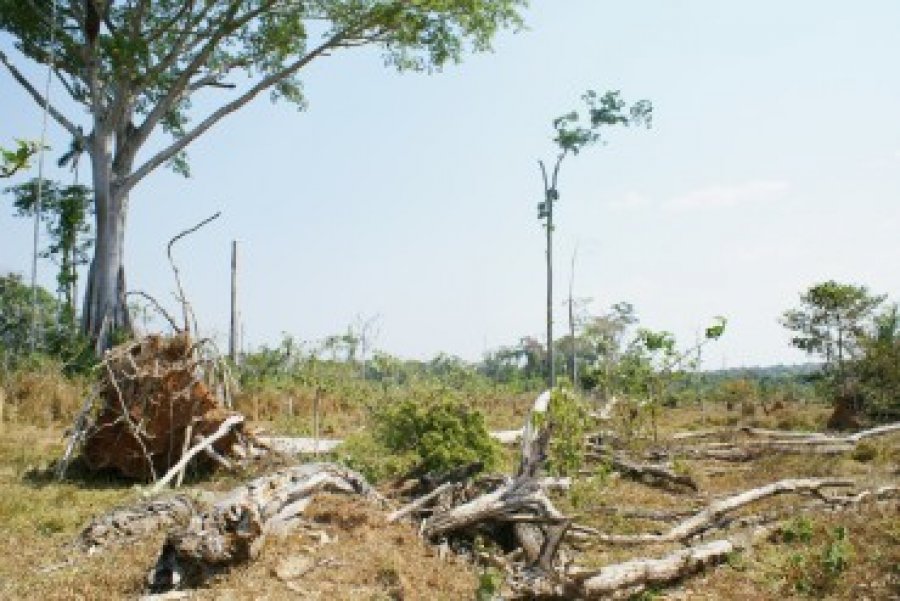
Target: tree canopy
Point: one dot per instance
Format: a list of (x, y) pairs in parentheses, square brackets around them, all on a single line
[(133, 68)]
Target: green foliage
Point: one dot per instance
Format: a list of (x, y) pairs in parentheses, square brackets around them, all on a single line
[(797, 530), (65, 211), (430, 435), (443, 433), (603, 110), (877, 371), (490, 581), (57, 337), (569, 417), (585, 491), (14, 160), (831, 320), (171, 50), (813, 568)]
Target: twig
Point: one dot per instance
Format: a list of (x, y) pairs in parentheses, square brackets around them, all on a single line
[(156, 305), (185, 306)]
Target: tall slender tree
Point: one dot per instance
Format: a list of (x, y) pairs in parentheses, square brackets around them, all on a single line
[(133, 67), (572, 135)]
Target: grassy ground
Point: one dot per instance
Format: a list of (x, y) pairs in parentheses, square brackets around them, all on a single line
[(852, 555)]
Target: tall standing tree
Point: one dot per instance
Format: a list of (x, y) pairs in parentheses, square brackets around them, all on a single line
[(831, 322), (133, 68), (573, 134)]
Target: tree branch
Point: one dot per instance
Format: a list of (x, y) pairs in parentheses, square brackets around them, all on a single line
[(267, 82), (39, 98)]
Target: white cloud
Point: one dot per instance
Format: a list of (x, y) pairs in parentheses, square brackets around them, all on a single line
[(718, 197)]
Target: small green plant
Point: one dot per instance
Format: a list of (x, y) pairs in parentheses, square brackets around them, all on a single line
[(798, 530), (836, 557), (584, 491), (489, 583), (815, 571)]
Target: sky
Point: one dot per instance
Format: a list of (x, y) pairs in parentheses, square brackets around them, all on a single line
[(773, 163)]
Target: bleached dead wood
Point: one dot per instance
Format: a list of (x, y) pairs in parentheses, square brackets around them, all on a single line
[(289, 445), (204, 444), (300, 446), (507, 437), (235, 528), (127, 524), (707, 517), (790, 437), (630, 577), (420, 502)]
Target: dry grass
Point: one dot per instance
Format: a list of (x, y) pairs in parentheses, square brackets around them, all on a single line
[(40, 395), (39, 518), (369, 559)]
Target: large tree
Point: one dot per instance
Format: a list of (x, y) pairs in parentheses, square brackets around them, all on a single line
[(831, 321), (134, 66)]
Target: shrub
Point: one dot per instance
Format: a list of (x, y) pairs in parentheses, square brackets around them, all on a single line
[(430, 436), (815, 571), (569, 418)]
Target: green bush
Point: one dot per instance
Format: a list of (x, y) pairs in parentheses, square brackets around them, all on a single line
[(569, 416), (430, 436)]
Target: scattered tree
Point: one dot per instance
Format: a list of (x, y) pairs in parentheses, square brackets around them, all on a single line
[(134, 68), (65, 211), (831, 322), (573, 135)]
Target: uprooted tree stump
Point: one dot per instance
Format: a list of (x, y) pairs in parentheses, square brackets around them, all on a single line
[(154, 401), (234, 529)]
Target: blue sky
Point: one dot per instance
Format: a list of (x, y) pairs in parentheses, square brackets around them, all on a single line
[(773, 163)]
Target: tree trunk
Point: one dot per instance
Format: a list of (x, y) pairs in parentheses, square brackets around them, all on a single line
[(105, 310)]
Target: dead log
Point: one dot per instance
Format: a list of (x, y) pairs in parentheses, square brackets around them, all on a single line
[(520, 501), (128, 524), (646, 472), (707, 517), (235, 528), (631, 577)]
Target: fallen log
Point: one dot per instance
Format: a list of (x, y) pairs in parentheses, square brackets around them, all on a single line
[(646, 472), (235, 528), (708, 516), (790, 437), (128, 524), (631, 577)]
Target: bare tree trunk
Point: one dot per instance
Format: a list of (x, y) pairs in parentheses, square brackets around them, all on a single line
[(105, 309)]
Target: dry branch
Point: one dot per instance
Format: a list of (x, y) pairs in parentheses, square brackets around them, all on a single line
[(707, 517), (204, 444)]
